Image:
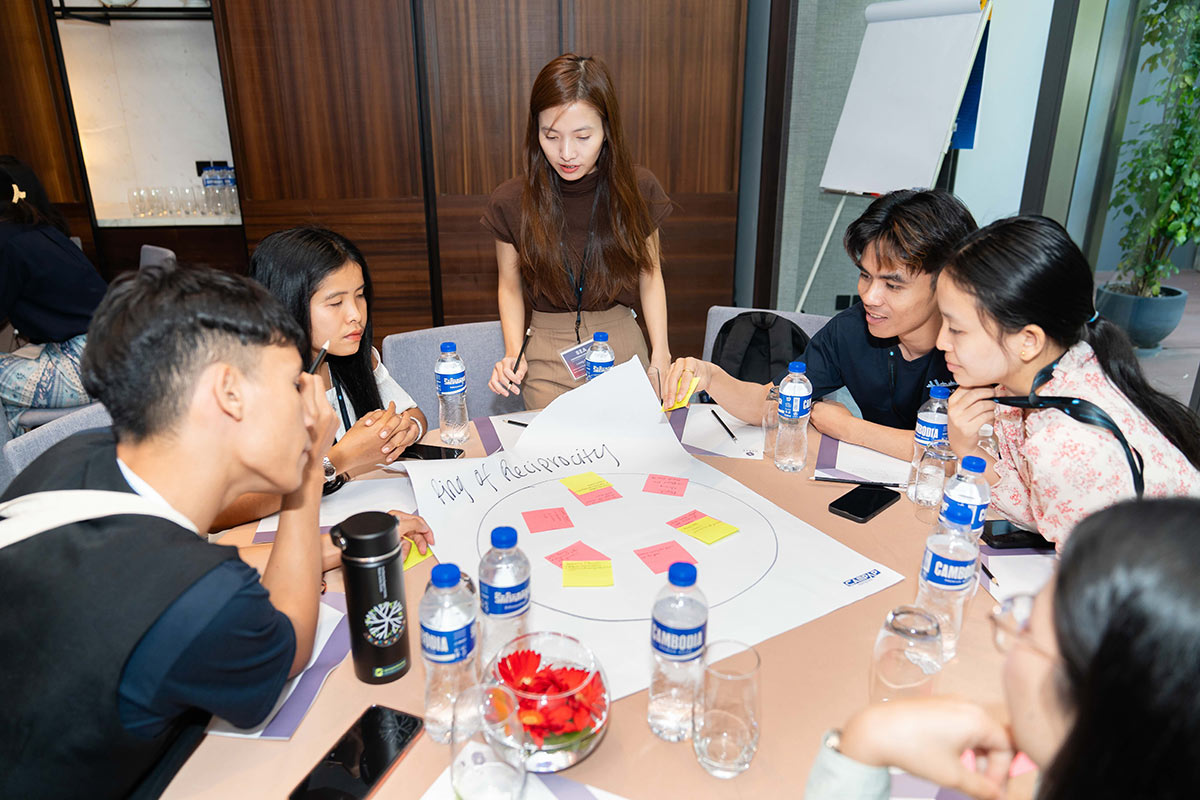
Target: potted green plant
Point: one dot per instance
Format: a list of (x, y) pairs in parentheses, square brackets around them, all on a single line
[(1159, 191)]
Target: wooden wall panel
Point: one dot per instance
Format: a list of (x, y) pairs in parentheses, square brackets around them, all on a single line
[(678, 67), (220, 247), (36, 127), (322, 106)]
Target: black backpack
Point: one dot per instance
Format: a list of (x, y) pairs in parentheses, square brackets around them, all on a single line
[(756, 346)]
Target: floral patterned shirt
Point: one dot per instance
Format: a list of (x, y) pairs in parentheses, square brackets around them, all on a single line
[(1054, 470)]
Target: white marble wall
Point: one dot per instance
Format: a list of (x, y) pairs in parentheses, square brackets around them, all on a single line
[(147, 97)]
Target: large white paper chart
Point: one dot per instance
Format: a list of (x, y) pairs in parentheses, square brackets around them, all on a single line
[(369, 494), (775, 573)]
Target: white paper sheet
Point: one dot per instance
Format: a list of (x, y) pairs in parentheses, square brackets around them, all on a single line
[(1017, 572), (508, 434), (537, 787), (861, 463), (373, 494), (774, 574), (703, 431)]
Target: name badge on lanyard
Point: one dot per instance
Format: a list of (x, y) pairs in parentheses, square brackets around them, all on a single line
[(575, 359)]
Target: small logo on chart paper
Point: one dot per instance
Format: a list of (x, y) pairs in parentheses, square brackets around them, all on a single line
[(866, 576)]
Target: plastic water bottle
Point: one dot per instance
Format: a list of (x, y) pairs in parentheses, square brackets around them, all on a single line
[(987, 441), (948, 574), (932, 424), (795, 403), (969, 489), (448, 637), (600, 357), (450, 373), (503, 593), (677, 629)]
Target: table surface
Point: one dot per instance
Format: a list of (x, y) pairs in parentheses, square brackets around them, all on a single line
[(813, 678)]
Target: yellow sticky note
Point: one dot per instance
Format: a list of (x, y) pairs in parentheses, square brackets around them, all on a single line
[(587, 573), (584, 482), (415, 557), (691, 388), (708, 530)]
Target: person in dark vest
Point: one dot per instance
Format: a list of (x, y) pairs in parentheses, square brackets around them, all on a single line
[(121, 635), (881, 349)]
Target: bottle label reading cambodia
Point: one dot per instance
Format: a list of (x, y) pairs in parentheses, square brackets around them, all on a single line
[(595, 368), (448, 647), (794, 406), (504, 601), (977, 511), (677, 644), (929, 432), (947, 573), (451, 383)]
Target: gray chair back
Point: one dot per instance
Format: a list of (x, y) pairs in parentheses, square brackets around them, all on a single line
[(410, 357), (719, 315), (18, 453), (153, 255)]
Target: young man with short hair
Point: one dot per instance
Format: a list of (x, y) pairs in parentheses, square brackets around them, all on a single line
[(881, 348), (122, 634)]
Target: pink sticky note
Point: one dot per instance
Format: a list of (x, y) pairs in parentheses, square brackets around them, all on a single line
[(665, 484), (576, 552), (660, 557), (1021, 763), (547, 519), (687, 518), (598, 496)]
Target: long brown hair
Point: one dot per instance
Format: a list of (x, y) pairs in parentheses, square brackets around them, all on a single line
[(622, 220)]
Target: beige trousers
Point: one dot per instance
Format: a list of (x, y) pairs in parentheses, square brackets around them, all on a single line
[(548, 377)]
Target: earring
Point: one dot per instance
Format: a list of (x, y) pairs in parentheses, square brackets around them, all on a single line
[(1022, 355)]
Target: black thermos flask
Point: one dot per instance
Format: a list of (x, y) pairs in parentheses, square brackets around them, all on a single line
[(374, 578)]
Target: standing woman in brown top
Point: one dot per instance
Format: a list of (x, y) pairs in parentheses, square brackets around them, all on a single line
[(576, 237)]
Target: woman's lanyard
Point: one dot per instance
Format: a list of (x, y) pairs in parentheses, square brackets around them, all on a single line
[(337, 387), (578, 282), (1085, 412)]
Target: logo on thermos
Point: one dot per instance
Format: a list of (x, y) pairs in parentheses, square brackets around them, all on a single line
[(384, 623)]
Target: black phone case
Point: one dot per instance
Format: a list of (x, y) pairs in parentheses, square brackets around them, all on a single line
[(1016, 539)]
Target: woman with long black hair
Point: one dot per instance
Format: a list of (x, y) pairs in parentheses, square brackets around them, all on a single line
[(1099, 680), (48, 291), (1079, 426), (576, 237)]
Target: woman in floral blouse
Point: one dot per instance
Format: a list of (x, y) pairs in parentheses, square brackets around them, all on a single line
[(1018, 322)]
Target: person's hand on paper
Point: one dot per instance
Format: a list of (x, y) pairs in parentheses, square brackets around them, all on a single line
[(927, 738), (413, 530), (969, 409), (685, 377), (507, 376)]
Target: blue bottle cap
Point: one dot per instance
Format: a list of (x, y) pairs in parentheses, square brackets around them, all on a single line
[(958, 514), (940, 392), (504, 537), (974, 464), (797, 366), (599, 336), (446, 576), (449, 347), (682, 573)]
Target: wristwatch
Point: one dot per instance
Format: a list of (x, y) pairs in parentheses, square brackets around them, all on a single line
[(330, 469), (833, 740)]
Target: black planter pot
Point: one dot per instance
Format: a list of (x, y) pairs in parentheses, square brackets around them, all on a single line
[(1147, 320)]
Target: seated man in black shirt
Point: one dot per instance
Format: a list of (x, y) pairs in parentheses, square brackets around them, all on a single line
[(122, 634), (882, 348)]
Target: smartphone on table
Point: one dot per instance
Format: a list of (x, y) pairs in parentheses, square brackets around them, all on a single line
[(863, 502), (1003, 535), (363, 757), (430, 452)]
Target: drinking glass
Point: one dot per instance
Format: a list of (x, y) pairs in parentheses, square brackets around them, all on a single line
[(726, 709), (137, 202), (487, 745), (770, 423), (157, 203), (908, 655), (171, 197), (187, 201), (936, 463)]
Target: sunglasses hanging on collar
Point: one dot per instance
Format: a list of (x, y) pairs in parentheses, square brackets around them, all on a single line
[(1083, 411)]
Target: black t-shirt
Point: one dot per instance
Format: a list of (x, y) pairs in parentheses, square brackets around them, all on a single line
[(48, 288), (887, 388)]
